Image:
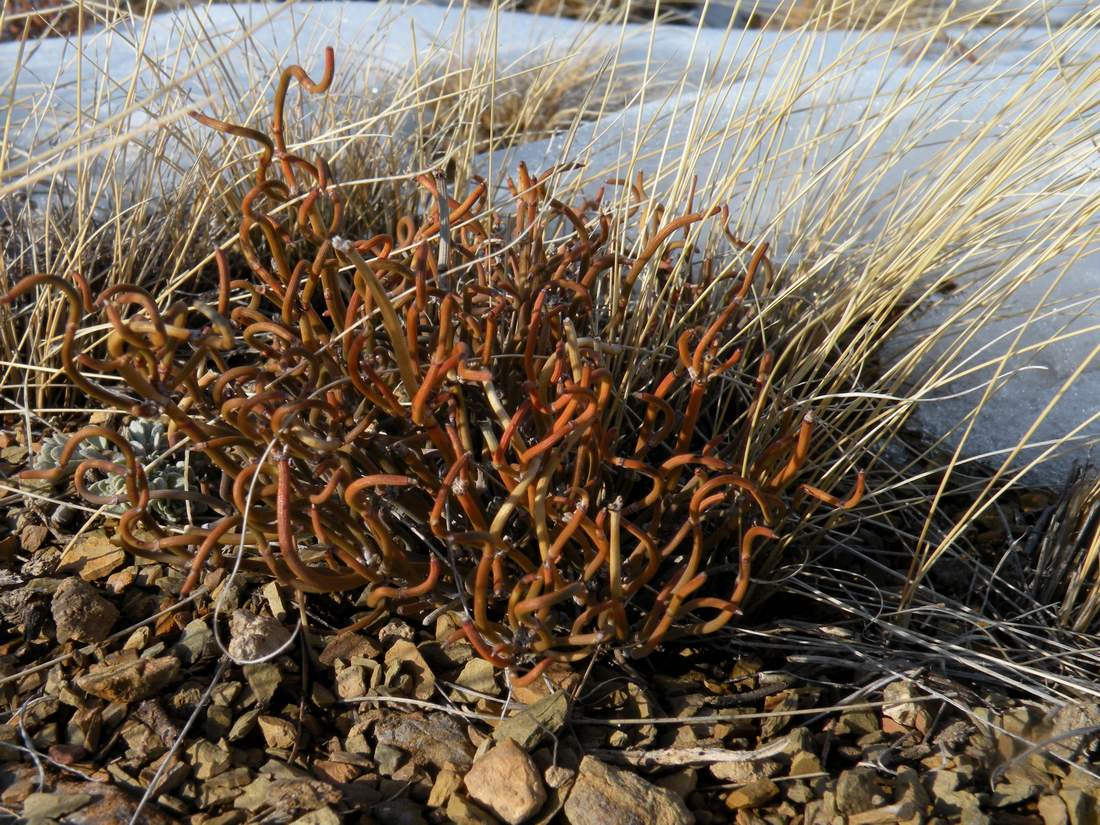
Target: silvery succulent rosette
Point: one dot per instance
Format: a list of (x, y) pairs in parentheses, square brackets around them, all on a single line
[(149, 441)]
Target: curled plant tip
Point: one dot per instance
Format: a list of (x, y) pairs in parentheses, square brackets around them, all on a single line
[(452, 409)]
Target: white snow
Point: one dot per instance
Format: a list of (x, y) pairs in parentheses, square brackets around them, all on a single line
[(858, 108)]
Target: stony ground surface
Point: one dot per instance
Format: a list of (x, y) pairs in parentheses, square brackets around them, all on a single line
[(114, 688)]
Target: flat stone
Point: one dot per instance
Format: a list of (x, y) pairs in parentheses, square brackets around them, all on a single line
[(348, 646), (745, 772), (886, 815), (130, 681), (53, 805), (433, 738), (535, 722), (91, 556), (106, 804), (803, 763), (322, 816), (404, 654), (506, 781), (196, 644), (1053, 810), (462, 811), (603, 794), (80, 613), (856, 790), (278, 733), (446, 783), (752, 795), (1012, 793), (902, 712)]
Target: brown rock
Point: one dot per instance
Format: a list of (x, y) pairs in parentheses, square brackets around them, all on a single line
[(278, 733), (433, 738), (404, 654), (805, 762), (887, 815), (464, 812), (91, 556), (535, 722), (107, 804), (446, 783), (856, 791), (603, 794), (1081, 807), (130, 681), (506, 782), (337, 772), (348, 646), (903, 711), (1053, 811), (752, 795), (80, 613)]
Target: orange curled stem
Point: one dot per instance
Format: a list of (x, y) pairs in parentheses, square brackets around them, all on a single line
[(843, 504), (402, 593), (530, 676), (798, 457), (478, 643)]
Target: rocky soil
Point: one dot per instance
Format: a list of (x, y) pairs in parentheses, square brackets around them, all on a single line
[(117, 691)]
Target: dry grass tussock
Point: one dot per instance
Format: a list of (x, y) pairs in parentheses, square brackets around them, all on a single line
[(937, 567)]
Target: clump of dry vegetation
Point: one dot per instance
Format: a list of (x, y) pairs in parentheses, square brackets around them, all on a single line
[(459, 412)]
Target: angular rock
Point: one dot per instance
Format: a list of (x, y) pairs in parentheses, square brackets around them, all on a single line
[(433, 738), (196, 644), (53, 805), (253, 637), (558, 677), (477, 675), (856, 791), (603, 794), (464, 812), (264, 679), (348, 646), (1053, 811), (130, 681), (886, 815), (446, 783), (742, 773), (506, 781), (322, 816), (542, 719), (404, 654), (752, 795), (803, 763), (80, 613), (352, 682), (91, 556), (107, 805), (902, 710), (278, 733)]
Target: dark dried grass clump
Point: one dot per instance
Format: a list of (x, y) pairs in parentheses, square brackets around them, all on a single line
[(453, 415)]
